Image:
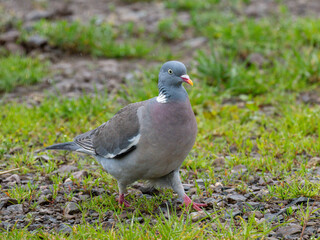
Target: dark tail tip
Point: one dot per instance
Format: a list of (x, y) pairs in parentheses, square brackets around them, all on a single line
[(70, 146)]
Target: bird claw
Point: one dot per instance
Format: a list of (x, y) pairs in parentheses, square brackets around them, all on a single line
[(187, 201), (122, 201)]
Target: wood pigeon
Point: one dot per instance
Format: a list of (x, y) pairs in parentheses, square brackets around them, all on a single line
[(146, 140)]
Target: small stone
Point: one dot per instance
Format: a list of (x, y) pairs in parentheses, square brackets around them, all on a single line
[(273, 217), (80, 174), (15, 48), (195, 42), (256, 59), (43, 199), (68, 180), (16, 150), (218, 184), (14, 178), (257, 9), (15, 209), (219, 162), (45, 211), (187, 187), (196, 216), (5, 202), (313, 162), (264, 181), (84, 197), (64, 228), (258, 214), (6, 225), (38, 14), (252, 206), (239, 169), (234, 198), (109, 66), (310, 230), (200, 182), (192, 191), (123, 215), (211, 201), (45, 158), (10, 36), (230, 190), (36, 41), (71, 208), (66, 169), (300, 200), (234, 213), (97, 192), (127, 15), (139, 219), (291, 229)]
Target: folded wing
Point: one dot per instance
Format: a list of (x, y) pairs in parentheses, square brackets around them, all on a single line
[(116, 137)]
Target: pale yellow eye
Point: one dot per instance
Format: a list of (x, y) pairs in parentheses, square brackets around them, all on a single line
[(170, 71)]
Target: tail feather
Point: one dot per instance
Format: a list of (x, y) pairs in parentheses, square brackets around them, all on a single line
[(71, 146)]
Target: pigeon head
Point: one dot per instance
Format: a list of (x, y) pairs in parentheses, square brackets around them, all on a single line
[(173, 73), (171, 76)]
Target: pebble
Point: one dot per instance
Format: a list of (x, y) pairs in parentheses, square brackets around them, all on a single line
[(13, 179), (313, 162), (187, 187), (234, 213), (200, 182), (38, 14), (5, 202), (10, 36), (84, 197), (80, 174), (196, 216), (36, 41), (258, 214), (234, 198), (15, 209), (290, 229), (192, 191), (43, 199), (195, 42), (66, 169), (15, 48), (239, 169), (219, 162), (64, 228), (256, 59), (71, 208), (273, 217)]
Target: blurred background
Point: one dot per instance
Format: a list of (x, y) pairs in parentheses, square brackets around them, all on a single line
[(66, 66), (237, 46)]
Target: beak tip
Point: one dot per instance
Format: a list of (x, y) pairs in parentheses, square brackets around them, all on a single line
[(187, 79)]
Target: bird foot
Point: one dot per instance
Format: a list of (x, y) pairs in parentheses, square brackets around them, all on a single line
[(122, 201), (187, 201)]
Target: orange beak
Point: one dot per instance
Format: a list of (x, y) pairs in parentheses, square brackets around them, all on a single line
[(187, 79)]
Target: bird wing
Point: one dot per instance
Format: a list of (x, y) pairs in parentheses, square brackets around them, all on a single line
[(116, 137)]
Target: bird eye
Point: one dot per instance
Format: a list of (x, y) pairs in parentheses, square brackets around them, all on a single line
[(170, 71)]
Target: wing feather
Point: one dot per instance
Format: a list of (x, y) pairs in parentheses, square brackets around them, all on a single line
[(115, 137)]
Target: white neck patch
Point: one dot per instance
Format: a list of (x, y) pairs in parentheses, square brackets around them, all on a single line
[(162, 98)]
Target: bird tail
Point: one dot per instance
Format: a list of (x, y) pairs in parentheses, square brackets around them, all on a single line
[(71, 146)]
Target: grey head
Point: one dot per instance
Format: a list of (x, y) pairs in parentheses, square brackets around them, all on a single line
[(171, 76)]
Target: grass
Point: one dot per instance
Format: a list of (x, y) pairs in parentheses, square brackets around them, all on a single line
[(100, 40), (247, 113), (289, 52), (16, 70)]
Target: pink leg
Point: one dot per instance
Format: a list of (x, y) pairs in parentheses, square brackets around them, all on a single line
[(122, 201), (187, 201)]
